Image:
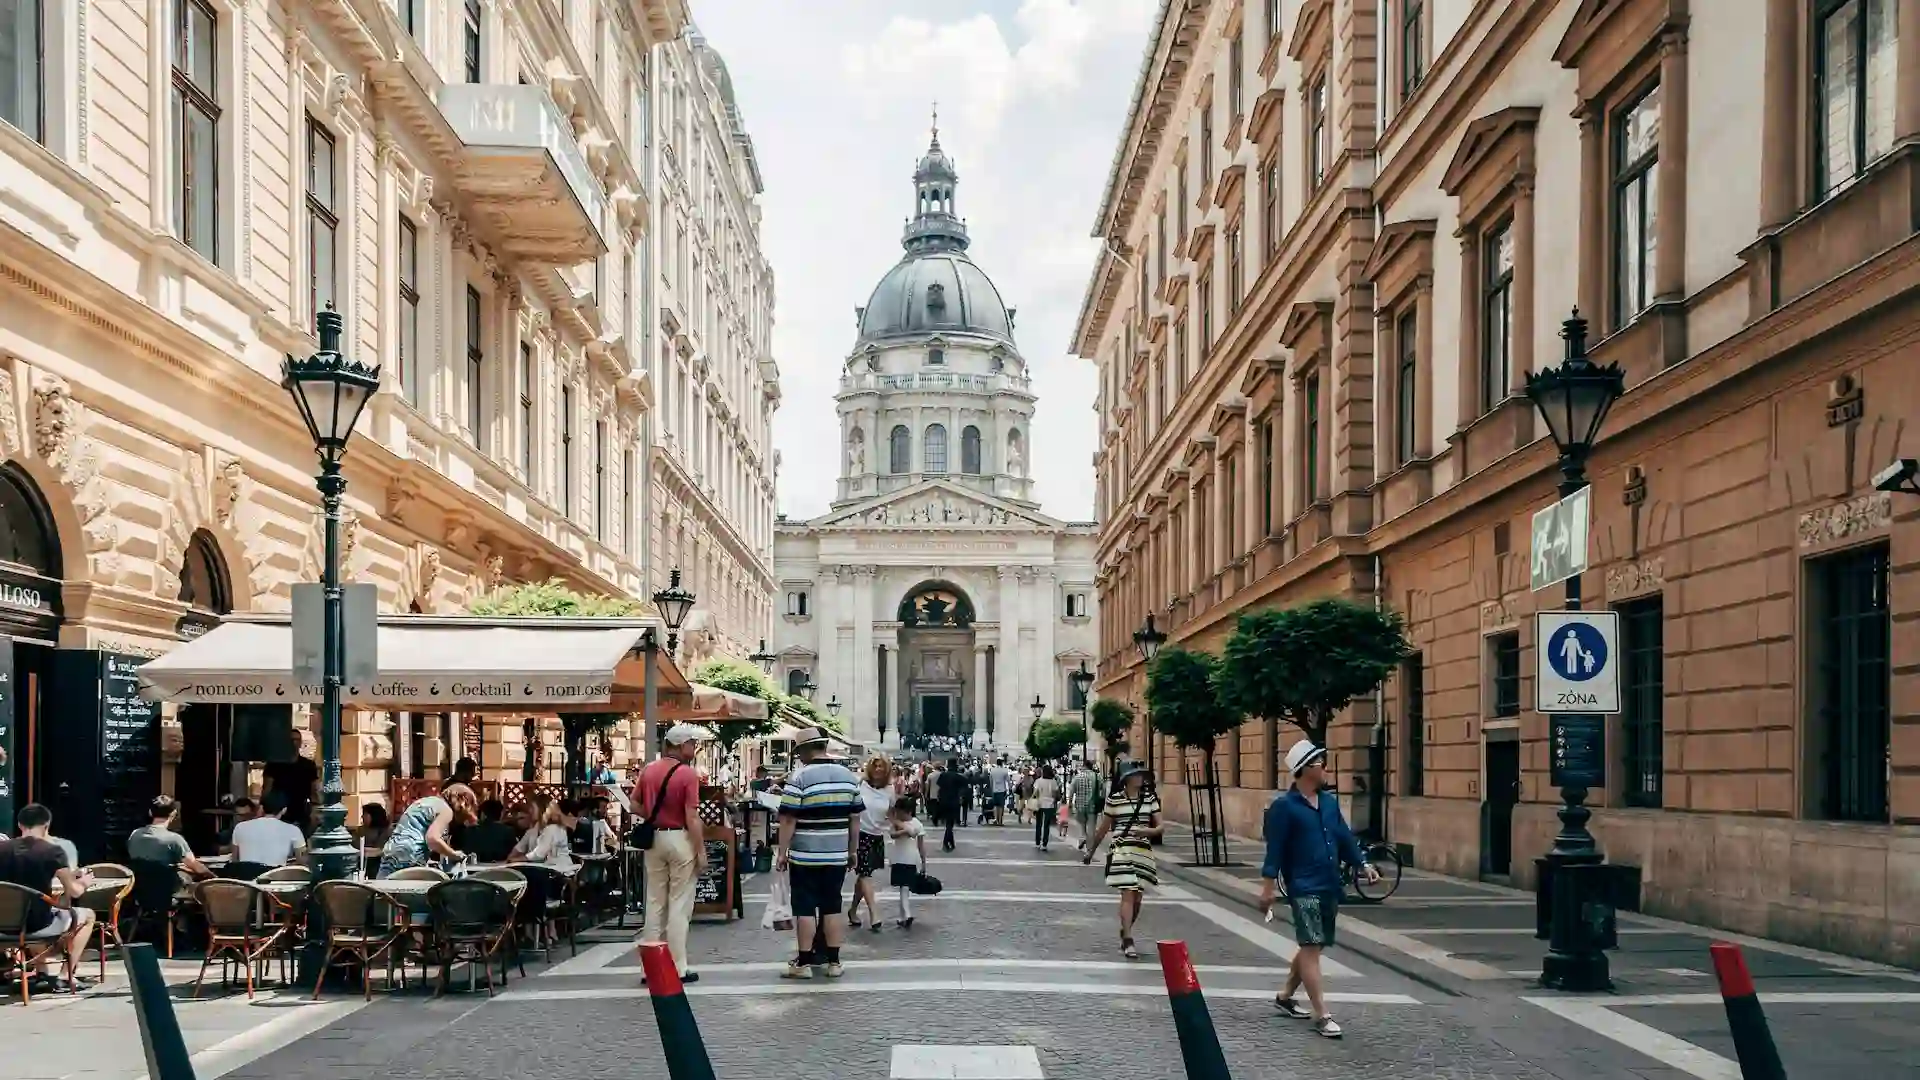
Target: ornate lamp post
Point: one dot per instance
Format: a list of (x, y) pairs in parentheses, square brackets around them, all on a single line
[(807, 688), (675, 604), (330, 390), (1574, 399), (1082, 681), (833, 706), (1148, 640), (765, 659)]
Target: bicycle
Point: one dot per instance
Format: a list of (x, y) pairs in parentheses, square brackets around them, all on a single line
[(1385, 858)]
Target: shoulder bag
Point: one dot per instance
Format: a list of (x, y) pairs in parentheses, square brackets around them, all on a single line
[(643, 830)]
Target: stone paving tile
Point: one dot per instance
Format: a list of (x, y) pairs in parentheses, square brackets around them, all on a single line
[(1859, 1042)]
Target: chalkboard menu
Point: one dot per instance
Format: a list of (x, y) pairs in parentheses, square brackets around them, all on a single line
[(713, 890), (1579, 750), (129, 747)]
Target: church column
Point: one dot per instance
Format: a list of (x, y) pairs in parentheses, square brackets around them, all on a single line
[(977, 700), (862, 708), (826, 614), (1007, 666), (1047, 617)]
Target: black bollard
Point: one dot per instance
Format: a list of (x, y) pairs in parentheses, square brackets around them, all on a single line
[(1199, 1042), (679, 1033), (1752, 1040), (167, 1057)]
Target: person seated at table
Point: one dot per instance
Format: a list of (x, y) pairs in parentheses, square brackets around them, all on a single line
[(547, 842), (490, 839), (421, 832), (376, 828), (606, 838), (157, 842), (269, 839), (35, 861)]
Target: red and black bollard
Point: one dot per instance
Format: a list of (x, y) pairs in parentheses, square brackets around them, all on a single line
[(1752, 1041), (679, 1033), (1199, 1042)]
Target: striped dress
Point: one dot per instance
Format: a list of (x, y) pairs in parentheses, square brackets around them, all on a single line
[(1130, 863)]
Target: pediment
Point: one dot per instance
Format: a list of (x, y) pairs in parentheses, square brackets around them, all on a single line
[(936, 504), (1481, 144), (1312, 30)]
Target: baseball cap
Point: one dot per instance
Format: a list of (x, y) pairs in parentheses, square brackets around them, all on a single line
[(685, 733), (1303, 754)]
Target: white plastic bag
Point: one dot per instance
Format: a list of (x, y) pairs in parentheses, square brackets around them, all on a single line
[(779, 913)]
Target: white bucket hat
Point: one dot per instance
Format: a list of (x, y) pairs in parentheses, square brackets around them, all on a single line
[(686, 733), (1303, 754)]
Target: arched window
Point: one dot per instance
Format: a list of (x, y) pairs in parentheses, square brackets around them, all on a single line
[(936, 449), (900, 450), (797, 682), (970, 450), (26, 528), (204, 585)]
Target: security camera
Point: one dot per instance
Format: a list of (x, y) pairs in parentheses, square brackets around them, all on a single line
[(1899, 476)]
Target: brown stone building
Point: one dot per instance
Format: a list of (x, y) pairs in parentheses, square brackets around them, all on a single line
[(1338, 235)]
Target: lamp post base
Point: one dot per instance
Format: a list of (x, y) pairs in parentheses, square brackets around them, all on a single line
[(1582, 916), (334, 856), (1576, 973)]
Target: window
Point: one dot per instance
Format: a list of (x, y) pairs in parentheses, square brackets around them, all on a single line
[(1854, 93), (1642, 699), (1203, 300), (1413, 46), (1236, 74), (970, 450), (797, 678), (1311, 395), (1163, 402), (1270, 206), (1236, 274), (900, 450), (1160, 251), (628, 532), (526, 410), (1180, 354), (1230, 505), (935, 450), (600, 480), (566, 449), (1506, 673), (1406, 343), (22, 67), (1266, 477), (1271, 19), (1206, 144), (1496, 316), (470, 40), (1413, 711), (797, 605), (1636, 149), (1076, 605), (409, 304), (195, 108), (1318, 144), (476, 363), (410, 20), (1855, 684), (323, 222), (1180, 201), (936, 356)]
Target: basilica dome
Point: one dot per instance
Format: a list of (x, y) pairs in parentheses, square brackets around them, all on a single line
[(935, 292)]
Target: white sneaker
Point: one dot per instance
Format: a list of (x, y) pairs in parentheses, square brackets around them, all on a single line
[(1326, 1028), (796, 971)]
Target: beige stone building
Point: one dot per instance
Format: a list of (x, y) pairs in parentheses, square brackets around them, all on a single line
[(183, 184), (1339, 235), (712, 503)]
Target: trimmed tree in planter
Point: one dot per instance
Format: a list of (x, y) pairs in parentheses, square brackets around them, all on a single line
[(1053, 739), (1305, 664), (555, 599), (1183, 690), (725, 673), (1112, 720)]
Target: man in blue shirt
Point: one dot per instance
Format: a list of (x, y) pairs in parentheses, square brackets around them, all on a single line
[(1307, 841)]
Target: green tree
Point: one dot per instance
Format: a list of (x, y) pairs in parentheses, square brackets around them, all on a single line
[(725, 673), (1054, 738), (1183, 690), (554, 598), (1112, 720), (809, 713), (1305, 664)]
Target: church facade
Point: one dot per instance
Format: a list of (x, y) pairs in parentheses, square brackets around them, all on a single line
[(934, 601)]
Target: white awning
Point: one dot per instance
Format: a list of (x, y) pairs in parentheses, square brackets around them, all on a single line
[(455, 662), (713, 703)]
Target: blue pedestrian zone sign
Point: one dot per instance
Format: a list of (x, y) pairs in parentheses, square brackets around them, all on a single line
[(1577, 669)]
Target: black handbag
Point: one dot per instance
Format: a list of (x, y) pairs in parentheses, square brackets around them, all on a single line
[(924, 884), (642, 836)]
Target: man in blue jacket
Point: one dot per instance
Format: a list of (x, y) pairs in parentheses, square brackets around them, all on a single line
[(1307, 841)]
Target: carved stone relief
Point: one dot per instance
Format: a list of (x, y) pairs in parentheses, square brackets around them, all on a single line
[(1633, 578), (55, 420), (1843, 521)]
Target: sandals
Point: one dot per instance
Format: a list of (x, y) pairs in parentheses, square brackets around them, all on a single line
[(1127, 950)]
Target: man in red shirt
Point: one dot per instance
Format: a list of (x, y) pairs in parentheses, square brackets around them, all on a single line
[(668, 795)]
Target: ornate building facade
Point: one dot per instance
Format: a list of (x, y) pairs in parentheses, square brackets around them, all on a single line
[(718, 386), (191, 182), (1340, 234), (934, 598)]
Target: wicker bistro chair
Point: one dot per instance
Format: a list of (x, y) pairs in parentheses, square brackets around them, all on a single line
[(245, 925), (420, 932), (507, 875), (551, 899), (105, 901), (471, 921), (15, 902), (296, 903), (159, 895), (362, 924)]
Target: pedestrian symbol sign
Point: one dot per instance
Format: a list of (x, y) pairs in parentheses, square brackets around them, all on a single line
[(1576, 670), (1560, 539)]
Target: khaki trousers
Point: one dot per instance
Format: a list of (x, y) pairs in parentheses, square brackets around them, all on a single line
[(670, 893)]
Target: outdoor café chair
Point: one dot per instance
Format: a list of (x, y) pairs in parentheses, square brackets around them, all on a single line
[(471, 922), (158, 895), (507, 875), (244, 926), (361, 923), (551, 899), (15, 902), (105, 902)]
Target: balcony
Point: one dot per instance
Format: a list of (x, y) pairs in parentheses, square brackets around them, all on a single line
[(526, 173)]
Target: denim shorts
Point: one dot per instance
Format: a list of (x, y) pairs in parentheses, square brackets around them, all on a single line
[(1314, 916)]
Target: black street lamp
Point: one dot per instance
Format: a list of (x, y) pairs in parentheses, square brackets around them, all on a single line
[(675, 604), (807, 688), (765, 659), (1574, 399), (1148, 640), (330, 391), (833, 706), (1039, 708), (1082, 681)]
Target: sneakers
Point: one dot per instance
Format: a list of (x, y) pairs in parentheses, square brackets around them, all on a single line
[(795, 970), (1291, 1008), (1326, 1028), (834, 971)]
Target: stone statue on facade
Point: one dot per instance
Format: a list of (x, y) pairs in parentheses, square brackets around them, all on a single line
[(856, 453)]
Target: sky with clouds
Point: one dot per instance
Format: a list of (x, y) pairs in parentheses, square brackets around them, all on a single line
[(837, 94)]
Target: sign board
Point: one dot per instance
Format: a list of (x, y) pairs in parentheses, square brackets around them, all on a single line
[(360, 620), (1560, 539), (1577, 665), (129, 749), (1579, 750)]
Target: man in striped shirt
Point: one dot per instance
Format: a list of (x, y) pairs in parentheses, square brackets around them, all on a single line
[(819, 822)]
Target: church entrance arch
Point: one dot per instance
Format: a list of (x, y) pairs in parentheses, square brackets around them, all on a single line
[(938, 688), (30, 616), (214, 750)]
